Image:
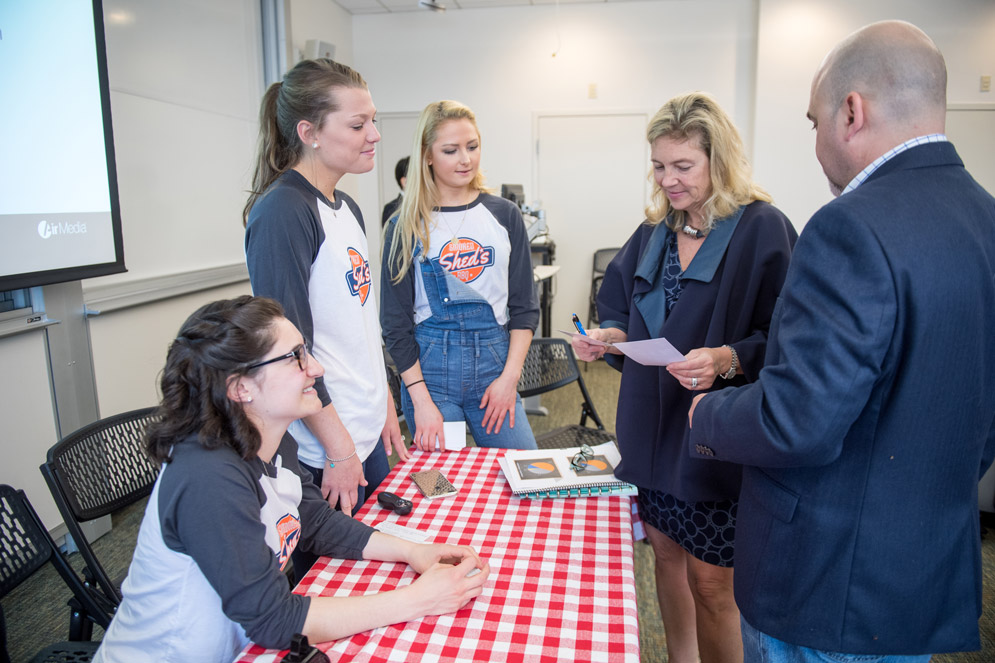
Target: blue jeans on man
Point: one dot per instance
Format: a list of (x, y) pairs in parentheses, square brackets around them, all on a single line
[(758, 647)]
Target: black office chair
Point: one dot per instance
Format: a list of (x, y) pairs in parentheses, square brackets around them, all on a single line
[(601, 259), (26, 547), (550, 365), (97, 471)]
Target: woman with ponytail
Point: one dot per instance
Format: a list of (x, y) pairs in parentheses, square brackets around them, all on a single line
[(306, 247), (232, 503)]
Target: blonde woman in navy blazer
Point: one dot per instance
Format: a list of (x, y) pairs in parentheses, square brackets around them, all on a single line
[(703, 272)]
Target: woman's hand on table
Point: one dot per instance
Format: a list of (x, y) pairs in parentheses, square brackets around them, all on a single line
[(444, 588), (587, 351), (450, 577), (700, 368), (423, 557)]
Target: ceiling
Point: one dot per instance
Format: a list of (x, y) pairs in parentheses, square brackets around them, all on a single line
[(395, 6)]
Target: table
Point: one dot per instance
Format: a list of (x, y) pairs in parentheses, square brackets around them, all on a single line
[(562, 585)]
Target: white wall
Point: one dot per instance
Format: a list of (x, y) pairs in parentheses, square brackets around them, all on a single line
[(500, 62), (795, 35), (756, 56), (28, 419), (186, 80), (327, 21), (129, 347)]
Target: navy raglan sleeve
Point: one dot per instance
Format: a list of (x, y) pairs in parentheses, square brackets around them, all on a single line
[(397, 307), (523, 303), (281, 242), (210, 511), (324, 530)]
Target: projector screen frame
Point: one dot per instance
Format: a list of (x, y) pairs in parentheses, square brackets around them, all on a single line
[(116, 266)]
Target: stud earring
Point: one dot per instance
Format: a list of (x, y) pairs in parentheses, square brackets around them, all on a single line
[(248, 399), (314, 145)]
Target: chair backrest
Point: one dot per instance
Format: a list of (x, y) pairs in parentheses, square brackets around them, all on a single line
[(601, 259), (26, 546), (549, 365), (22, 542), (98, 470)]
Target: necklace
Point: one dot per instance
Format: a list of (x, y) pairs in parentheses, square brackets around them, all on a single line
[(455, 233), (313, 181), (692, 232)]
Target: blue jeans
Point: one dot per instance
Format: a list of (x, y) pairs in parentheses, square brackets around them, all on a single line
[(758, 647), (458, 366), (375, 469)]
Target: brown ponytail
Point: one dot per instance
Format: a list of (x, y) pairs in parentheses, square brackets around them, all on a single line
[(306, 93)]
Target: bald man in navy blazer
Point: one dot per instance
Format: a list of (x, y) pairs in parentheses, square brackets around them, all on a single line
[(867, 431)]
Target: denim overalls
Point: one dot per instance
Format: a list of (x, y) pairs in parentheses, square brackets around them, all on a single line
[(462, 349)]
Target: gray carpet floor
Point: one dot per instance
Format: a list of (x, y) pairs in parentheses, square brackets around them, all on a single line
[(37, 614)]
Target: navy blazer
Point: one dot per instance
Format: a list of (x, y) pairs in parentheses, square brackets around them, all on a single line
[(730, 290), (872, 420)]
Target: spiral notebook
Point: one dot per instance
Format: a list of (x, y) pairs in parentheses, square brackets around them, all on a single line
[(548, 473)]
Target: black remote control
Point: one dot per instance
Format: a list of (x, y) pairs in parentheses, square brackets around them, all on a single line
[(398, 505)]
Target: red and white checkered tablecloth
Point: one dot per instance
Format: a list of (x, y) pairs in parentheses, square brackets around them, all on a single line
[(562, 586)]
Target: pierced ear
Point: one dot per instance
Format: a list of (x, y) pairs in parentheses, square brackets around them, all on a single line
[(305, 131), (237, 391)]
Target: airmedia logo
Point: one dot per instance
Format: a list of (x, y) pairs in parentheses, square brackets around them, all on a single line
[(46, 229)]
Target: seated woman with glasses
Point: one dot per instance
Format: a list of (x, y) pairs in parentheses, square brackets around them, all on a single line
[(232, 503)]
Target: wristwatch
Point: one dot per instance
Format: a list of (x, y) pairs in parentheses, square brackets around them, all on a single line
[(732, 366)]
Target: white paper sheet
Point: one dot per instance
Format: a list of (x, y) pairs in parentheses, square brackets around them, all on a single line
[(455, 432), (406, 533), (651, 352)]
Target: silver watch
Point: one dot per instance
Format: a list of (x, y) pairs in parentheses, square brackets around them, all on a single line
[(732, 366)]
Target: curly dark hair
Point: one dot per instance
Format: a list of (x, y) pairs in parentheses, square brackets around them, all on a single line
[(218, 341)]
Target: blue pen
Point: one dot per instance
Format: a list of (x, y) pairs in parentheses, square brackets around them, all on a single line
[(580, 327)]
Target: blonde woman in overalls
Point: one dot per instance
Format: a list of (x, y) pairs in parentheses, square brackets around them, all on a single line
[(458, 307)]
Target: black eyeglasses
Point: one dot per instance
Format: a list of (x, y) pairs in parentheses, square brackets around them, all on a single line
[(300, 353), (579, 462)]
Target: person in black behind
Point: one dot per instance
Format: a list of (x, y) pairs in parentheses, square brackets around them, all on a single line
[(401, 175)]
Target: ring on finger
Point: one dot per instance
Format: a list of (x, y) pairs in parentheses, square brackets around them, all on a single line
[(694, 382)]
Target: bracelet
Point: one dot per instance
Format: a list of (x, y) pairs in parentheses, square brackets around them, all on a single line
[(733, 365), (413, 383), (332, 461)]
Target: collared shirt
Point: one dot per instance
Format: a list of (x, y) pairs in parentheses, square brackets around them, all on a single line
[(877, 163)]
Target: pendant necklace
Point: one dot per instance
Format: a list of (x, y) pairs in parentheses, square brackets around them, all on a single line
[(692, 232), (455, 234)]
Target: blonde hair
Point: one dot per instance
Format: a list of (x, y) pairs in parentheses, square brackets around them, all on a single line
[(421, 196), (698, 117)]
